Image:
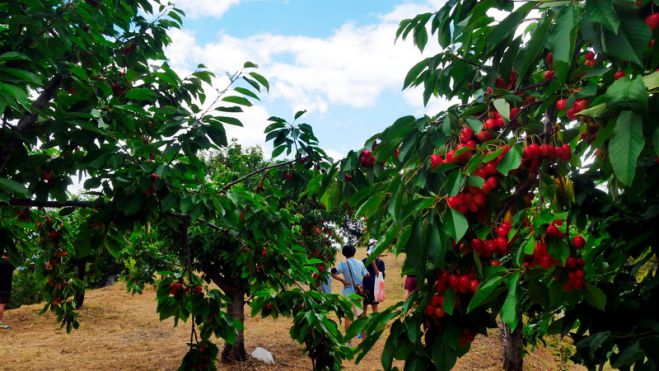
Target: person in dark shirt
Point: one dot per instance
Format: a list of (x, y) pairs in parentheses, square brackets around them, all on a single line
[(6, 273), (376, 266)]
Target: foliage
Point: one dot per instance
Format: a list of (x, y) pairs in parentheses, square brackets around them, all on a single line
[(535, 195)]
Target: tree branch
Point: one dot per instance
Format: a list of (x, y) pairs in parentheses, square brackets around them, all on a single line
[(55, 204), (42, 101), (258, 171)]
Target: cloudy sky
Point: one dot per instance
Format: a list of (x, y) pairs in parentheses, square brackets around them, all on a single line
[(337, 59)]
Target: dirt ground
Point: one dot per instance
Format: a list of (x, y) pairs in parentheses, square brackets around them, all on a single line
[(120, 331)]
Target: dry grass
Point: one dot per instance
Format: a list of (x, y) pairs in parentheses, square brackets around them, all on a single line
[(120, 331)]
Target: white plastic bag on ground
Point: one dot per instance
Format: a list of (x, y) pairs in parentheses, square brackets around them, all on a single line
[(379, 288), (263, 355)]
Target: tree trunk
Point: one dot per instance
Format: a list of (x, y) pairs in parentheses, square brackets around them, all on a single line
[(235, 352), (513, 348), (80, 296)]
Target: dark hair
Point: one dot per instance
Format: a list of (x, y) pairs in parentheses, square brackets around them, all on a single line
[(348, 251)]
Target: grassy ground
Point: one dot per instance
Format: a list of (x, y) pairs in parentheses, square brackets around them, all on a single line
[(120, 331)]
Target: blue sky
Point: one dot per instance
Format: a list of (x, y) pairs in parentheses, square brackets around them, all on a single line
[(337, 59)]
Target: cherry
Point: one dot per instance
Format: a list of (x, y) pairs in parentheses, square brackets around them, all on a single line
[(347, 177), (484, 136), (590, 56), (652, 21), (495, 263), (429, 311), (549, 59), (618, 75), (175, 287), (439, 312), (549, 75), (437, 301), (473, 286), (572, 113), (436, 160), (490, 124), (514, 112), (581, 104), (578, 242), (454, 281), (571, 262), (466, 134), (560, 104)]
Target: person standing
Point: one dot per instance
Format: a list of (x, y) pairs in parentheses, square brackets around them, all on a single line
[(6, 273), (351, 273), (374, 269)]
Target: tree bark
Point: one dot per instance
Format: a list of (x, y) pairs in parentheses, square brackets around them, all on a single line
[(235, 352), (513, 348), (80, 296)]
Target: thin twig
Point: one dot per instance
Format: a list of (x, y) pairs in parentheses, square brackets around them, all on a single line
[(258, 171)]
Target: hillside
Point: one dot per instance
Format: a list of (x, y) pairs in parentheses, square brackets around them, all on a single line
[(120, 331)]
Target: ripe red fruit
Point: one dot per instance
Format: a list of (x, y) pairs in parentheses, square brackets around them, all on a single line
[(175, 287), (429, 311), (439, 312), (454, 281), (514, 112), (581, 104), (545, 262), (465, 282), (578, 242), (466, 134), (491, 124), (366, 153), (571, 262), (560, 104), (572, 113), (618, 75), (436, 160), (473, 286), (484, 136), (491, 168), (652, 21), (347, 177), (437, 301), (268, 307), (549, 75), (549, 59), (495, 263), (590, 56)]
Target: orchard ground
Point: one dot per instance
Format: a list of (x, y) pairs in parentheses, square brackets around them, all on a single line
[(120, 331)]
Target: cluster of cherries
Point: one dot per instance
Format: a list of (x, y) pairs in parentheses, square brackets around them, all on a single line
[(498, 244), (590, 59), (591, 132), (460, 283), (575, 274), (500, 83), (178, 287), (366, 158), (152, 187), (578, 106)]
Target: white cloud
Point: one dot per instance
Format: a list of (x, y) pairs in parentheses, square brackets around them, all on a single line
[(352, 67), (205, 8)]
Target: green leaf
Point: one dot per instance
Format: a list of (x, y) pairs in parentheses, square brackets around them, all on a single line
[(602, 11), (299, 114), (630, 42), (484, 293), (142, 94), (505, 28), (628, 356), (371, 205), (238, 100), (627, 94), (502, 107), (13, 56), (595, 296), (475, 124), (217, 134), (511, 161), (509, 307), (533, 49), (11, 186), (262, 80), (229, 120), (626, 145), (460, 224), (562, 40)]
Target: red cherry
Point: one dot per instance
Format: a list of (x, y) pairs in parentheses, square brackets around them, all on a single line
[(437, 301), (618, 75), (439, 312), (572, 113), (545, 262), (473, 286), (502, 231), (581, 104), (514, 112), (549, 75), (466, 134), (454, 281), (490, 124), (491, 168), (652, 21), (495, 263), (549, 59), (484, 136), (436, 160), (489, 90), (578, 242), (429, 311), (571, 262), (590, 56), (347, 177), (560, 104)]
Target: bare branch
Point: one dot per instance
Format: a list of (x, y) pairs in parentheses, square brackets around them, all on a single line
[(42, 101), (258, 171)]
